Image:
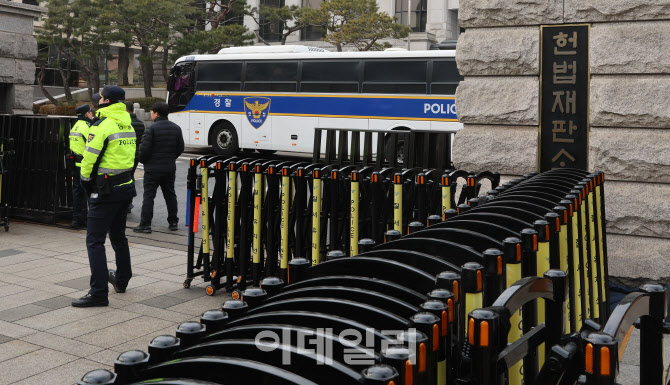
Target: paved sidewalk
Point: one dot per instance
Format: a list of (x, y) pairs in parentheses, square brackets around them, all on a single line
[(43, 340)]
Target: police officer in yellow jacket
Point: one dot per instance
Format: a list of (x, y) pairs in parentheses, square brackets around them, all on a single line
[(106, 174), (78, 137)]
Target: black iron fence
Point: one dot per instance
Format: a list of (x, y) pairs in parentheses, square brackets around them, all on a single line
[(383, 149), (38, 186)]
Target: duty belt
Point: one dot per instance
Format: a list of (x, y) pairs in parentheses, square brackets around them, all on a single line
[(115, 180), (75, 157)]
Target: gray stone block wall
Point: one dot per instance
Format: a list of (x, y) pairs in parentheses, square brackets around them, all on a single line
[(18, 49), (498, 102)]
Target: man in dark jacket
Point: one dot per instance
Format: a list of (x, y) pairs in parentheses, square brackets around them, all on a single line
[(138, 126), (162, 143)]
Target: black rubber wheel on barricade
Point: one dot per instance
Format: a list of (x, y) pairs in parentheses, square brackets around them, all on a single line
[(187, 283), (236, 294), (210, 290)]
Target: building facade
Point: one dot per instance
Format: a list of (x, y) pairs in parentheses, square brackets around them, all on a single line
[(431, 21)]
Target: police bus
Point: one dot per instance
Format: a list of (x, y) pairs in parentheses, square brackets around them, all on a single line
[(272, 98)]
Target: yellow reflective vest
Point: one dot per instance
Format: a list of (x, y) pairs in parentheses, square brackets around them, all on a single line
[(110, 144), (78, 137)]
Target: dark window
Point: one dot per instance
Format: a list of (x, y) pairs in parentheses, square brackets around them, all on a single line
[(394, 88), (446, 71), (271, 31), (219, 72), (204, 86), (395, 71), (235, 15), (272, 72), (445, 77), (443, 89), (329, 87), (267, 86), (312, 33), (273, 3), (414, 17), (329, 71)]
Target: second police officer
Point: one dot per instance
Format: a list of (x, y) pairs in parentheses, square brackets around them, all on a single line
[(106, 174), (78, 137)]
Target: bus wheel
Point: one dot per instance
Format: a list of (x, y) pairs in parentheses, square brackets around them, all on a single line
[(224, 140)]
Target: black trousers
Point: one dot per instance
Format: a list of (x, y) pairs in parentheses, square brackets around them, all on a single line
[(152, 181), (107, 216), (79, 198)]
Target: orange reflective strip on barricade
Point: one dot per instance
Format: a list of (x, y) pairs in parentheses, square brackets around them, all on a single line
[(196, 217), (588, 358), (604, 361), (484, 334)]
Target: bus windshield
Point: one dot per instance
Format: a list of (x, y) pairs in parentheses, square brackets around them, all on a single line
[(181, 86)]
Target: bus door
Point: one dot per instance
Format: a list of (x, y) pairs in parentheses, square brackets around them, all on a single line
[(197, 133), (181, 88)]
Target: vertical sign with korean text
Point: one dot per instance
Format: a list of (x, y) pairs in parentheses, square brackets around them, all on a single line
[(564, 97)]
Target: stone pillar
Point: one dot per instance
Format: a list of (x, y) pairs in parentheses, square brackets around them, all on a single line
[(437, 18), (421, 41), (388, 6), (453, 28), (498, 102), (18, 49), (293, 38), (131, 65), (248, 20)]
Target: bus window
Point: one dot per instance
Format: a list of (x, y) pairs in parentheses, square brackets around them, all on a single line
[(395, 77), (181, 87), (443, 89), (277, 77), (394, 88), (329, 87), (329, 77), (445, 77), (219, 76), (445, 71), (272, 72), (219, 72), (395, 71), (219, 86), (329, 71), (269, 86)]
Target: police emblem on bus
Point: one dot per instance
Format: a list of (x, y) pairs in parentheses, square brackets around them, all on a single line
[(257, 110)]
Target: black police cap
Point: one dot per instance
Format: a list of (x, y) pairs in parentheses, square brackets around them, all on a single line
[(81, 110), (111, 92)]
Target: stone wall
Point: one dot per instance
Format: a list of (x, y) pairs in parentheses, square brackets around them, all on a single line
[(18, 49), (498, 102)]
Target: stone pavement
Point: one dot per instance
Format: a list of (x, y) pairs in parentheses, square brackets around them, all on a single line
[(43, 340)]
